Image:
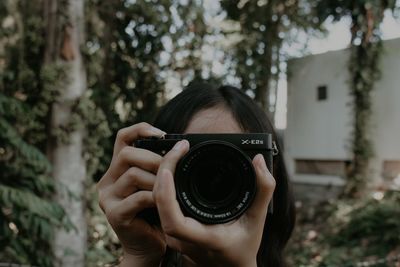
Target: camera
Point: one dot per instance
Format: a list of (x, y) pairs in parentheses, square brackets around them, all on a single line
[(215, 180)]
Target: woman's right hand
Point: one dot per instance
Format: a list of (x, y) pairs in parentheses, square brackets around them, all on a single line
[(126, 189)]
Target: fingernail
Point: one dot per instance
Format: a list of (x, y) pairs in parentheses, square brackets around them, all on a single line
[(178, 146), (157, 131)]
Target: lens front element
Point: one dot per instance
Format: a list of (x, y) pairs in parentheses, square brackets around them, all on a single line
[(215, 182)]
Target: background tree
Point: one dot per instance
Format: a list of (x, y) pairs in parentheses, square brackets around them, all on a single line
[(364, 69), (63, 97), (64, 22), (264, 27), (133, 48), (46, 105), (28, 215)]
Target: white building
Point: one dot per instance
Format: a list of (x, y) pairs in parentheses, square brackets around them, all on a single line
[(319, 119)]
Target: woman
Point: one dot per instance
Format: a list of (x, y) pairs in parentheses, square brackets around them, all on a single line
[(138, 179)]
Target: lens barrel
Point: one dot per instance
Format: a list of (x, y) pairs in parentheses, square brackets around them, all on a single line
[(215, 182)]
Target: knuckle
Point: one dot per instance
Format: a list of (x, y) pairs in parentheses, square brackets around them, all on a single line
[(269, 183), (103, 199), (101, 205), (155, 164), (121, 133), (133, 174), (125, 153), (141, 200), (112, 216), (143, 125), (101, 184)]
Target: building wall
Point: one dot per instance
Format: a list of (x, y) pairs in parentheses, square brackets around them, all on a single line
[(386, 117), (321, 130)]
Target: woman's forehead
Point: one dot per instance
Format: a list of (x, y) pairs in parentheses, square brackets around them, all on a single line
[(213, 120)]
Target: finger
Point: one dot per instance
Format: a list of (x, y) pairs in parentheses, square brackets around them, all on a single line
[(165, 199), (265, 188), (174, 155), (128, 157), (164, 188), (139, 157), (106, 199), (126, 210), (132, 180), (126, 136), (173, 222)]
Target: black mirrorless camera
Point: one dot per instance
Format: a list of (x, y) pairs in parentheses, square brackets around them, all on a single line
[(215, 181)]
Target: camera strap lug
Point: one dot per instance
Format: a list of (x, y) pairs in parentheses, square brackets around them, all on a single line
[(275, 150)]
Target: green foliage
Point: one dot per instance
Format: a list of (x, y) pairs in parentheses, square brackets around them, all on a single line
[(366, 48), (346, 233), (129, 58), (132, 48), (91, 118), (368, 221), (263, 27), (128, 62), (126, 78), (364, 71), (28, 215), (104, 247)]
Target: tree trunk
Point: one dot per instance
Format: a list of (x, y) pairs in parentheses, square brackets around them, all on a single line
[(69, 168), (262, 91), (272, 43), (364, 72)]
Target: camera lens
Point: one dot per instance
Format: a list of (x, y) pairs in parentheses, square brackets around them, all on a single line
[(215, 182)]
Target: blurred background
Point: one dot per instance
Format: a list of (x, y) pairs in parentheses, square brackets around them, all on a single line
[(73, 72)]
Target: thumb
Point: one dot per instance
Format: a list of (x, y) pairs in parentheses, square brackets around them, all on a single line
[(265, 188)]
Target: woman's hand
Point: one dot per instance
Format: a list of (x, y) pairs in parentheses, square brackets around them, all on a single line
[(126, 189), (232, 244)]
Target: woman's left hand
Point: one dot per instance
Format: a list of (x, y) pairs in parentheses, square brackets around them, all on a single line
[(233, 244)]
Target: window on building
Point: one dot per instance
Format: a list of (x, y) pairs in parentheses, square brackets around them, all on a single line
[(322, 92)]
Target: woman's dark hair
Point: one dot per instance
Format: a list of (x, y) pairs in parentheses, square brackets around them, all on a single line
[(176, 115)]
